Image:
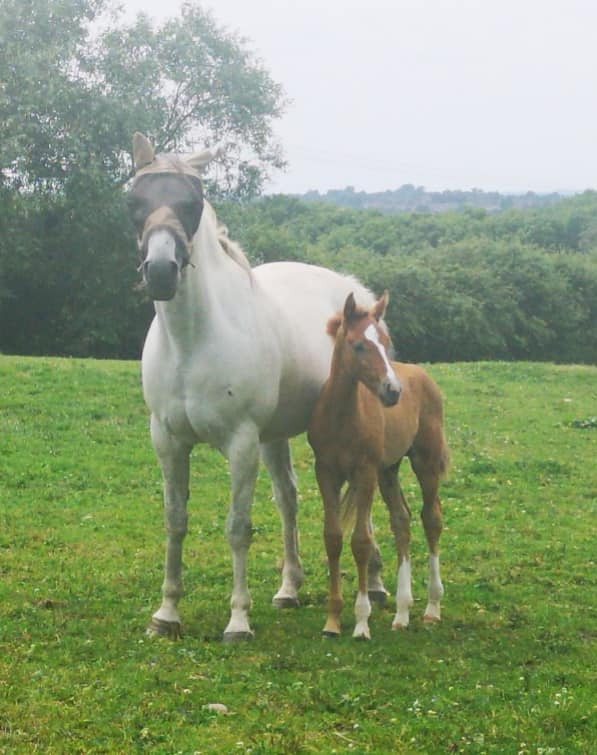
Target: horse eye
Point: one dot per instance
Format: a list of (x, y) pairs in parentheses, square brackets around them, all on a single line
[(359, 347)]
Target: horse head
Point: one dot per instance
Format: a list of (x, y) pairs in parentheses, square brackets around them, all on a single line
[(165, 203), (366, 343)]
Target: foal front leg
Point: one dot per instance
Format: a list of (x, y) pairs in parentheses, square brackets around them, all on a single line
[(243, 459), (362, 548), (173, 457), (329, 487)]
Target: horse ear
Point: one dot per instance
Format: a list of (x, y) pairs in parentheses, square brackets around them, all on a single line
[(142, 150), (201, 159), (379, 308), (350, 306)]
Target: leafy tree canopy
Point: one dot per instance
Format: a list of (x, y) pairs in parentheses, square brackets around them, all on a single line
[(75, 83)]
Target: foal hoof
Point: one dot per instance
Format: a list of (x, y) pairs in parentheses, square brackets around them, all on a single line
[(230, 637), (431, 619), (285, 602), (378, 597), (172, 630), (329, 635)]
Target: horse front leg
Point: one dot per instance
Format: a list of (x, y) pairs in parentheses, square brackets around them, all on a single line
[(276, 457), (243, 459), (362, 549), (173, 458)]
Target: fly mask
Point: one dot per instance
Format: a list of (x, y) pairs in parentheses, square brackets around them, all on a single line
[(166, 204)]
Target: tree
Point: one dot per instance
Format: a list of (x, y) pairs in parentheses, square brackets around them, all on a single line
[(75, 83)]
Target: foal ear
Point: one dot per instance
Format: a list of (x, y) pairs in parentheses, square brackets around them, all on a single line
[(350, 306), (142, 150), (379, 308), (201, 159)]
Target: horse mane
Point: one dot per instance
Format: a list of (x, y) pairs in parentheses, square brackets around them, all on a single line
[(232, 248)]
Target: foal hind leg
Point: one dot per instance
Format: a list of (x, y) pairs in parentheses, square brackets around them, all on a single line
[(431, 514), (400, 522), (276, 457), (375, 586)]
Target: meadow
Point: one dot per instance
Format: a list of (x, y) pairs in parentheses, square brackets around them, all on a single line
[(510, 669)]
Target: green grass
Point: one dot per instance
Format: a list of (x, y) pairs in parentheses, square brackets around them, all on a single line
[(511, 668)]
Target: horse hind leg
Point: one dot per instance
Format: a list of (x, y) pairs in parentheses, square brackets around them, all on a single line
[(428, 474), (243, 459), (400, 523), (276, 457)]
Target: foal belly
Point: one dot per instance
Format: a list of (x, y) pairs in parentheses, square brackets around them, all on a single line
[(400, 430)]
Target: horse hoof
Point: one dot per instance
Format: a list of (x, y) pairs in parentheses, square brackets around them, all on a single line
[(329, 635), (396, 625), (285, 602), (172, 630), (237, 636), (430, 619), (378, 597)]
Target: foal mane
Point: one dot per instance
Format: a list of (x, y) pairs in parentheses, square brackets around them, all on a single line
[(335, 321)]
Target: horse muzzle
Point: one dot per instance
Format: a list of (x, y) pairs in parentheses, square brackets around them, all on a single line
[(164, 261), (161, 279)]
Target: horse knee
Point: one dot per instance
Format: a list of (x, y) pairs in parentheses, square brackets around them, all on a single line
[(333, 543), (238, 531), (362, 546)]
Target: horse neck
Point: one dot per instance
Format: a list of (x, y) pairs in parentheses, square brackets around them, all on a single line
[(212, 289)]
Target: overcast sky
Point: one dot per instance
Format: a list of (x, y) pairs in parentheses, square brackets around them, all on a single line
[(445, 94)]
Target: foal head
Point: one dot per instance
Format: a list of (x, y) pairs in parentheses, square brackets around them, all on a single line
[(363, 343), (166, 204)]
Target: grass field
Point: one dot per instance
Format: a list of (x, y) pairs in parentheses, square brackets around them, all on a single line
[(511, 668)]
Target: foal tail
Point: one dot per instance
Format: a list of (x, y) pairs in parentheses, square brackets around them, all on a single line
[(443, 462), (348, 510)]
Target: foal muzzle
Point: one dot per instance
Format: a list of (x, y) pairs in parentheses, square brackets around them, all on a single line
[(389, 392)]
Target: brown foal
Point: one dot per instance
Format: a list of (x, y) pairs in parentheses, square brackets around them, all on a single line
[(371, 413)]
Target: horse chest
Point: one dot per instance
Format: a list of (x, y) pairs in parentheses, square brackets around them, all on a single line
[(201, 399)]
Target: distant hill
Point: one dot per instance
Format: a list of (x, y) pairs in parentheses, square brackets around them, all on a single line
[(410, 198)]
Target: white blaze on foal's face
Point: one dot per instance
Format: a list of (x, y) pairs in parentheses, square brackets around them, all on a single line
[(372, 335)]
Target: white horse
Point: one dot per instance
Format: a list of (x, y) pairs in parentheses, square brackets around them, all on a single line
[(235, 357)]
